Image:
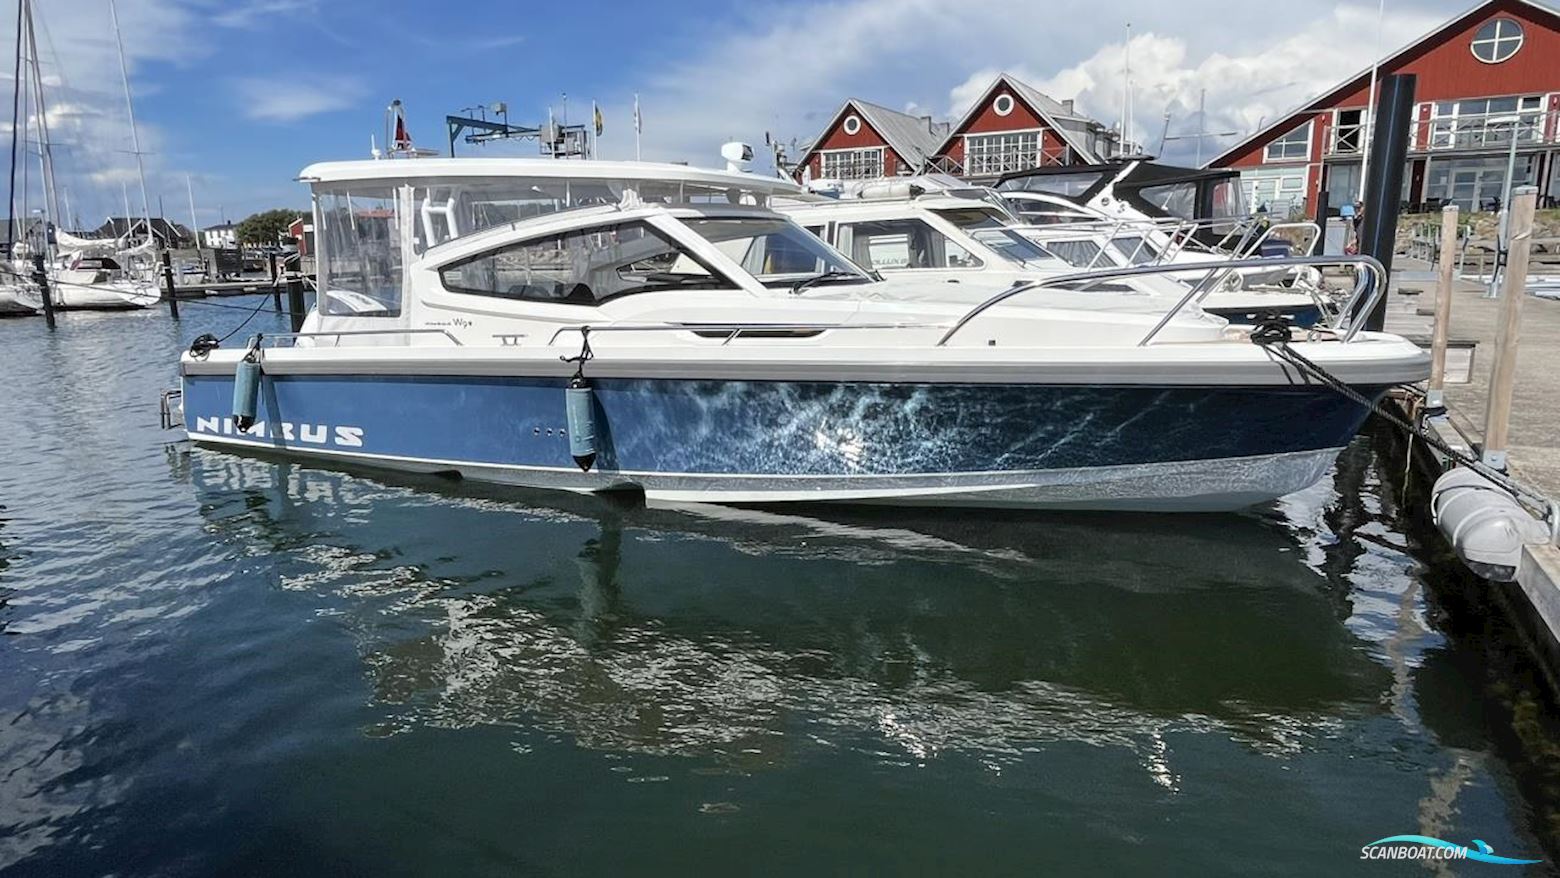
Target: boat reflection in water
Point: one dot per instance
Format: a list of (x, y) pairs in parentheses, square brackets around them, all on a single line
[(741, 636)]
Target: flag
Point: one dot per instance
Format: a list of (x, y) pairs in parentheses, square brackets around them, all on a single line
[(638, 120), (595, 112)]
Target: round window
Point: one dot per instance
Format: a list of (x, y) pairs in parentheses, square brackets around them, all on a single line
[(1496, 40), (1003, 104), (852, 124)]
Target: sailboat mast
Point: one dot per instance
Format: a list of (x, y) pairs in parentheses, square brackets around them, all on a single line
[(189, 189), (40, 112), (135, 137), (16, 134)]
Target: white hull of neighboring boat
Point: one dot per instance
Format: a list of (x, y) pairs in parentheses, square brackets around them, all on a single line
[(12, 304), (110, 296)]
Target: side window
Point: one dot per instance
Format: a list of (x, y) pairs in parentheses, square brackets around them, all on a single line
[(582, 267), (903, 243)]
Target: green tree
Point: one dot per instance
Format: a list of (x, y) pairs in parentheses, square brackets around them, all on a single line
[(266, 227)]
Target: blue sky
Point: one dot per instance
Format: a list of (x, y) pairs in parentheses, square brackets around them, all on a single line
[(240, 95)]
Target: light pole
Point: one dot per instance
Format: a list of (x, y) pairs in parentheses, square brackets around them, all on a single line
[(1502, 244)]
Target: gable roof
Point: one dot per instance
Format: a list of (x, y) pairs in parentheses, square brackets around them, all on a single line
[(914, 138), (1051, 111), (1288, 118)]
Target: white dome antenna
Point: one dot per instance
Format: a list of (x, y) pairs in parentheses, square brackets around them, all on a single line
[(737, 155)]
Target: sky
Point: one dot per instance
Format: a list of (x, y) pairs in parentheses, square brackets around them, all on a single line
[(233, 97)]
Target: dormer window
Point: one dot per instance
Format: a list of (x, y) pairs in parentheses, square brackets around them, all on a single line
[(1496, 40)]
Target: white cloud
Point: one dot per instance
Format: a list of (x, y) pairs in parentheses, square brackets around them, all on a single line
[(84, 95), (786, 75), (252, 13), (296, 96)]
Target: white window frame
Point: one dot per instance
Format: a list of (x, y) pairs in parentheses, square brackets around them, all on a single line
[(1310, 130), (1011, 104), (839, 157), (1359, 129), (971, 168), (1495, 42), (847, 124)]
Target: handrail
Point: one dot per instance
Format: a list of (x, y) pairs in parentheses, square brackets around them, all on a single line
[(735, 329), (340, 332), (1352, 313)]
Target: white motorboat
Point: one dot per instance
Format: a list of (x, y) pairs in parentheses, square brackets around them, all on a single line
[(1184, 215), (966, 239), (605, 326)]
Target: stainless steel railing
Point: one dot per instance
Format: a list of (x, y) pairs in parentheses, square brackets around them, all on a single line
[(1369, 285)]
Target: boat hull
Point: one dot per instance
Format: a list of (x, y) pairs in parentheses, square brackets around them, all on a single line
[(1163, 448)]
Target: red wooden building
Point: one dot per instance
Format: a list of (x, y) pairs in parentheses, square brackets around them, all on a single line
[(1011, 127), (1485, 77)]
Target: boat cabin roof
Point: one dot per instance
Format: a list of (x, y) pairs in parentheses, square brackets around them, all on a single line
[(412, 170)]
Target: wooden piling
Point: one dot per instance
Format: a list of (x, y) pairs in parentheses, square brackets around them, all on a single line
[(295, 293), (169, 292), (276, 288), (1445, 278), (41, 278), (1497, 416)]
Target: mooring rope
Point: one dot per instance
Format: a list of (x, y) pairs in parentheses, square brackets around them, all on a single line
[(1281, 348)]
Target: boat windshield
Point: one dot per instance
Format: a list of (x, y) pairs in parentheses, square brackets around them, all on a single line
[(1069, 183), (367, 231), (1080, 253), (1136, 249), (991, 231), (777, 251)]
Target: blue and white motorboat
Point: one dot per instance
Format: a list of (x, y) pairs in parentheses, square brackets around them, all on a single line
[(604, 326)]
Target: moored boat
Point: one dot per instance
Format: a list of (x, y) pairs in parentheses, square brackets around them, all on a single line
[(599, 326)]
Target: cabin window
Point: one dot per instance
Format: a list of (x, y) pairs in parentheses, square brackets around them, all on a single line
[(360, 234), (1496, 40), (902, 243), (1176, 199), (1136, 249), (775, 251), (583, 267), (851, 164), (1080, 254), (1294, 146)]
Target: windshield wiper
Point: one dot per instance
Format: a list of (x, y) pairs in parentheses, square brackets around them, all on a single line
[(832, 273)]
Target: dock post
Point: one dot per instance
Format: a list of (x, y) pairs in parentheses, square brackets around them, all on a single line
[(41, 278), (1445, 278), (276, 287), (1497, 416), (167, 283), (1319, 246), (295, 295), (1390, 123)]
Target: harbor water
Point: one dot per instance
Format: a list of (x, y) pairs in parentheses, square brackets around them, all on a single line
[(216, 664)]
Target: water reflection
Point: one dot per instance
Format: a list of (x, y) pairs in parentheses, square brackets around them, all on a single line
[(741, 635)]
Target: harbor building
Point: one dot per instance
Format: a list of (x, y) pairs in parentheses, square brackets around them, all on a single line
[(1011, 127), (1487, 80)]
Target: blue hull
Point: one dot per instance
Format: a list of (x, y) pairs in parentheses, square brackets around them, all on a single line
[(830, 436)]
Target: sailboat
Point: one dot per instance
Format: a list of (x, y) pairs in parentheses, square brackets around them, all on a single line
[(83, 274)]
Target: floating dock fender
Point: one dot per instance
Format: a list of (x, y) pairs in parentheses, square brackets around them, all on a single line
[(579, 403), (1487, 527), (246, 388)]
